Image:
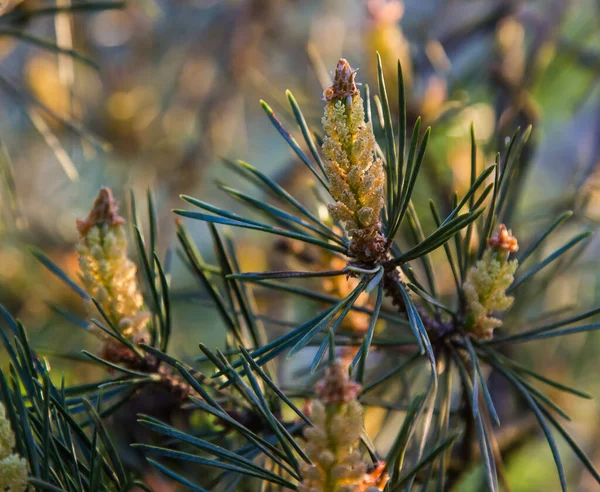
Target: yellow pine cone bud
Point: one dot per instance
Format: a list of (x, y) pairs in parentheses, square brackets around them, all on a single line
[(107, 273), (13, 468), (356, 176), (332, 441), (487, 282)]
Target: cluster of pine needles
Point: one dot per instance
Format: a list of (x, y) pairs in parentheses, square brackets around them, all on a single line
[(419, 355)]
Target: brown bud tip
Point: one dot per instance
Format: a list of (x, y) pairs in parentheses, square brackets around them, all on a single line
[(503, 239), (335, 386), (104, 211), (343, 82)]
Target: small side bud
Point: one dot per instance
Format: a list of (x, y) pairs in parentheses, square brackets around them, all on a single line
[(487, 282)]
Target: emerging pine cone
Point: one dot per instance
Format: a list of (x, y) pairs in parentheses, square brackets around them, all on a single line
[(107, 273), (487, 282), (356, 176), (332, 441)]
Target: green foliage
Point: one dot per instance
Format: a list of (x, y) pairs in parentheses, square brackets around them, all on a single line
[(440, 339), (59, 433), (425, 357)]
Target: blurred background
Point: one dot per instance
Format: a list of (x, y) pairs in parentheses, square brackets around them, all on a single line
[(176, 89)]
